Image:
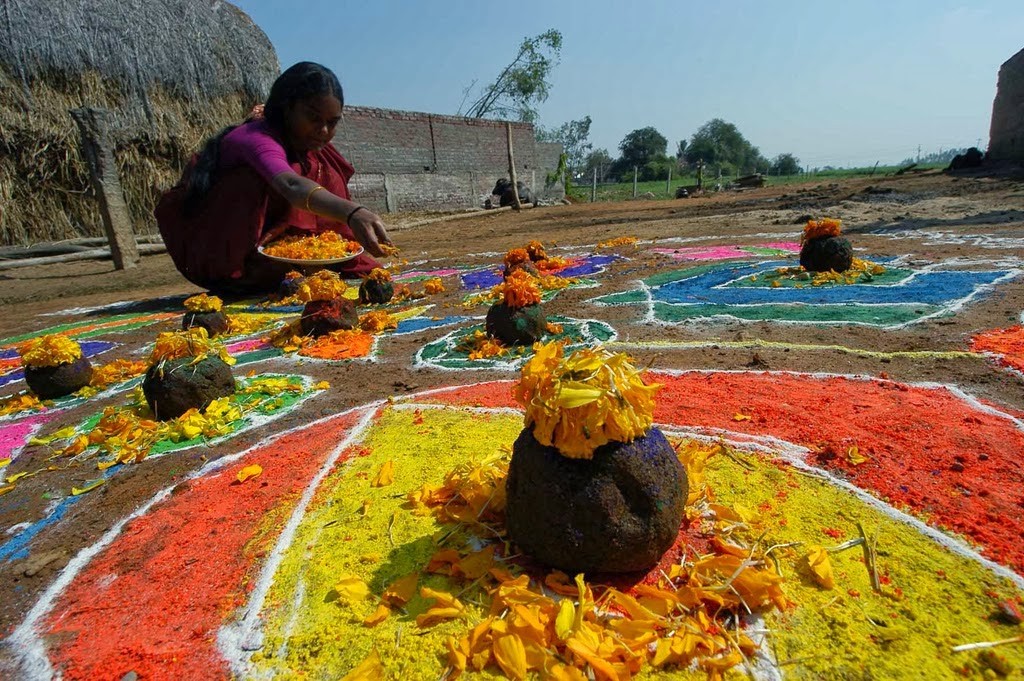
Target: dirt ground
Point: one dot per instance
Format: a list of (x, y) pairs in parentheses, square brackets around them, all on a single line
[(927, 219)]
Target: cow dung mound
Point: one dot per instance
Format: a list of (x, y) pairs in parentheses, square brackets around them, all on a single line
[(321, 317), (516, 326), (215, 323), (617, 512), (827, 253), (173, 387), (48, 383)]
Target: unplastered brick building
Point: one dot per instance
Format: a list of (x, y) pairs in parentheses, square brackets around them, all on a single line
[(420, 161)]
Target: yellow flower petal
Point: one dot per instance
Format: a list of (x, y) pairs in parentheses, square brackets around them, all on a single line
[(402, 590), (511, 656), (370, 669), (386, 475), (249, 472), (821, 567), (88, 487), (378, 616), (350, 588)]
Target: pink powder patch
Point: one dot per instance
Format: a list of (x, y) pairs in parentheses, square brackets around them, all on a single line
[(248, 345), (723, 252), (13, 436)]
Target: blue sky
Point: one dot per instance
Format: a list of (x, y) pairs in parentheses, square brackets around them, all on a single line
[(835, 83)]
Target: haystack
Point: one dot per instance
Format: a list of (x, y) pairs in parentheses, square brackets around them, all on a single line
[(173, 72)]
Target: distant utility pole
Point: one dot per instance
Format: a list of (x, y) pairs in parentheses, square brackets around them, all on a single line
[(634, 182), (918, 153), (593, 188)]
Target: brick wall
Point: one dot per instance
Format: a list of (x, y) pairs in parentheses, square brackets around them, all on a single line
[(1006, 136), (418, 161)]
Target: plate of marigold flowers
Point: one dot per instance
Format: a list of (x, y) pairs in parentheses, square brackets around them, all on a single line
[(327, 248)]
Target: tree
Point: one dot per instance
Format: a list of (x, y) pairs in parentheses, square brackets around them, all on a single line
[(785, 164), (642, 146), (573, 136), (644, 149), (522, 84), (599, 159), (723, 147)]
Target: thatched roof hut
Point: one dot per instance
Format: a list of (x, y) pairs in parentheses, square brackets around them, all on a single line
[(172, 71)]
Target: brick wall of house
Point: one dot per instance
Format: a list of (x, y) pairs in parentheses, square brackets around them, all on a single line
[(418, 161)]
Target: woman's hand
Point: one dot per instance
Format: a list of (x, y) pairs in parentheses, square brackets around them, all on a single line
[(369, 231)]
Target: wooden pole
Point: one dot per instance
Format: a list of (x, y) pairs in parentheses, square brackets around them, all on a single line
[(98, 150), (91, 254), (593, 188), (634, 182), (668, 184), (512, 169)]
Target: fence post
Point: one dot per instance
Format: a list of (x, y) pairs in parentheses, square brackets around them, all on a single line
[(668, 184), (98, 150), (593, 188), (634, 182)]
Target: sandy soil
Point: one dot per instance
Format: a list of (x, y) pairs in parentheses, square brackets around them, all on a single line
[(931, 218)]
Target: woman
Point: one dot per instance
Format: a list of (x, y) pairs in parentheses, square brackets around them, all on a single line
[(275, 174)]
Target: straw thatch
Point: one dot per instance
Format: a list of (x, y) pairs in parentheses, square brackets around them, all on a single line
[(172, 71)]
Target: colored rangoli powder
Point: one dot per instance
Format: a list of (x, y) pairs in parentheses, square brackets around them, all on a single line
[(1006, 344), (931, 600)]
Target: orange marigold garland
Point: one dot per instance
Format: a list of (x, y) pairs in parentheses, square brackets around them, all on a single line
[(49, 351), (816, 229), (325, 246), (520, 289), (580, 402)]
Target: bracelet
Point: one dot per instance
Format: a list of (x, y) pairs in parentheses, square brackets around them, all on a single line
[(312, 191), (354, 211)]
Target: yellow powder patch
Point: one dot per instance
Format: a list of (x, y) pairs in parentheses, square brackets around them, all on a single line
[(379, 543), (931, 599)]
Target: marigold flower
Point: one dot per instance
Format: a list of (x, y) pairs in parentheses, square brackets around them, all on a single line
[(379, 275), (434, 285), (115, 372), (815, 229), (293, 275), (377, 321), (535, 249), (15, 404), (323, 246), (481, 346), (516, 256), (520, 289), (617, 241), (552, 263), (323, 285), (580, 402), (203, 303), (49, 351), (194, 342)]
